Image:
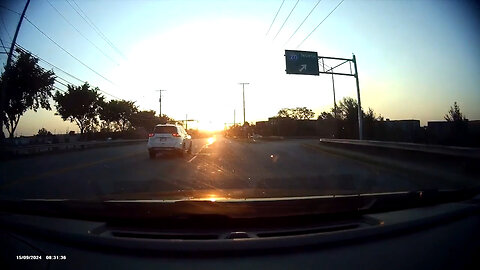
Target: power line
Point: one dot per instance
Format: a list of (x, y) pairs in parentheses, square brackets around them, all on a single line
[(76, 78), (303, 21), (9, 9), (281, 27), (58, 45), (3, 45), (52, 65), (61, 90), (80, 33), (63, 79), (90, 22), (61, 83), (274, 18), (320, 23), (5, 27), (63, 49)]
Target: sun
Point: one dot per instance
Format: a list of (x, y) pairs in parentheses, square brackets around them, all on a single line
[(210, 126)]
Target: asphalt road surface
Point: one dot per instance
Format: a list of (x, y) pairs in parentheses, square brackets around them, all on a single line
[(269, 168)]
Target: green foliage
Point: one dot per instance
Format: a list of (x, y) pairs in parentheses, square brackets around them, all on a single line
[(284, 113), (299, 113), (27, 86), (454, 114), (348, 109), (147, 120), (43, 132), (118, 113), (80, 104)]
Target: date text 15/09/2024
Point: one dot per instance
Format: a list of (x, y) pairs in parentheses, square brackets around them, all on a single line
[(39, 257)]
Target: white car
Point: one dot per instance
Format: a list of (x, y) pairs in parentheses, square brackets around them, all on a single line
[(169, 138)]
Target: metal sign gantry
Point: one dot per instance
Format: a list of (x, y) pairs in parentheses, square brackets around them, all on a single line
[(301, 62)]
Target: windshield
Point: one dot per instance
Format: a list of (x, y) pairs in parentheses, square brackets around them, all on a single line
[(272, 99)]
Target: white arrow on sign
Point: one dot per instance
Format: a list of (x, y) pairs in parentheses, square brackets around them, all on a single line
[(303, 68)]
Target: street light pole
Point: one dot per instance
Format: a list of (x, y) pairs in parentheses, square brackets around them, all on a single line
[(243, 89)]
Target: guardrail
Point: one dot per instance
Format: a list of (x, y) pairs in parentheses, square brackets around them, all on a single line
[(29, 150)]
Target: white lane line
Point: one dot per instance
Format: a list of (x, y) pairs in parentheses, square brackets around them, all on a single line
[(195, 156), (192, 159)]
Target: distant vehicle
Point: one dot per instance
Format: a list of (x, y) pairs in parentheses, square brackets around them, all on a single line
[(169, 138)]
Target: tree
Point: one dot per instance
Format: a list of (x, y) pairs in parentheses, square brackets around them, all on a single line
[(80, 104), (348, 109), (303, 113), (326, 116), (126, 110), (27, 86), (284, 113), (148, 120), (370, 116), (118, 112), (454, 114), (299, 113), (108, 115), (43, 132)]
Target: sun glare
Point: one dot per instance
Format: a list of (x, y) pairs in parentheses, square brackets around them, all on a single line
[(211, 140)]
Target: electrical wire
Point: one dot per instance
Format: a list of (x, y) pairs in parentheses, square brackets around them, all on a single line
[(281, 27), (320, 23), (58, 45), (80, 33), (80, 80), (274, 18), (5, 27), (90, 22), (318, 2)]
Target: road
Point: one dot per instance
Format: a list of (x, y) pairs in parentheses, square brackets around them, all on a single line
[(228, 167)]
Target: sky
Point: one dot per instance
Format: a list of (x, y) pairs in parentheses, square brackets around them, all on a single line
[(415, 58)]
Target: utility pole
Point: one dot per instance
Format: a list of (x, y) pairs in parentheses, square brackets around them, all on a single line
[(160, 101), (243, 88), (7, 66), (234, 123), (187, 120)]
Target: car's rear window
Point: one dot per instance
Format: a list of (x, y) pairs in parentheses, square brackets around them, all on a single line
[(165, 129)]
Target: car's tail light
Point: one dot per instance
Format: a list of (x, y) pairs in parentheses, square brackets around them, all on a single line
[(175, 135), (150, 135)]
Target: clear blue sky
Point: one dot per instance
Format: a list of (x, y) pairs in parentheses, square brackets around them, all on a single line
[(415, 58)]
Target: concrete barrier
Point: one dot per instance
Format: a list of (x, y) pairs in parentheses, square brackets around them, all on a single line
[(271, 138), (21, 151), (404, 147), (461, 160)]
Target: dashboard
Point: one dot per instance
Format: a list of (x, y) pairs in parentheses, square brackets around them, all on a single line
[(443, 236)]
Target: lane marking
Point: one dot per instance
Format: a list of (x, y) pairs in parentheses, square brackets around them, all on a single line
[(194, 157)]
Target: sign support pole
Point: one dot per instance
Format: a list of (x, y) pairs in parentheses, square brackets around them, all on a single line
[(334, 100), (360, 116)]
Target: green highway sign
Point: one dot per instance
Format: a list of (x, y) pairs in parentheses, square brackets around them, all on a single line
[(301, 62)]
